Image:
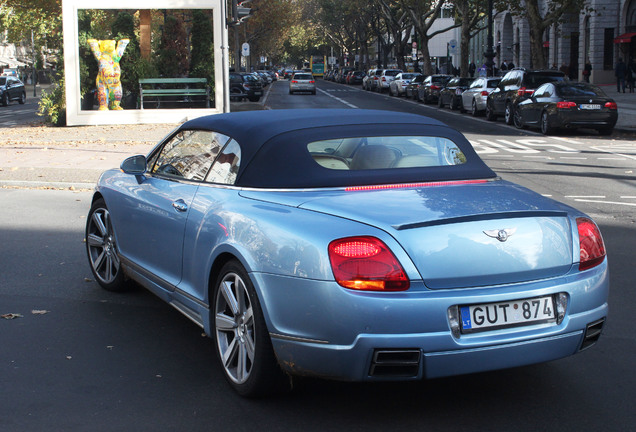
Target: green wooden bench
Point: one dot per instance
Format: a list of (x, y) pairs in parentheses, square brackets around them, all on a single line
[(178, 89)]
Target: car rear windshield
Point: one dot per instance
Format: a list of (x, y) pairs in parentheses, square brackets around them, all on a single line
[(392, 72), (384, 152), (493, 83), (303, 77), (579, 90), (534, 80)]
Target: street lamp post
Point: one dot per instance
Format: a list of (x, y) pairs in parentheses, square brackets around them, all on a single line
[(489, 54)]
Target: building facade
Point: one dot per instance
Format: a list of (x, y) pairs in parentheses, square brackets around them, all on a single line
[(601, 37)]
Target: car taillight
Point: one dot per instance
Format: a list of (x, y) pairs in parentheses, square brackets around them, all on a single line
[(434, 87), (566, 105), (294, 82), (312, 82), (246, 86), (611, 105), (484, 93), (524, 92), (366, 264), (590, 243)]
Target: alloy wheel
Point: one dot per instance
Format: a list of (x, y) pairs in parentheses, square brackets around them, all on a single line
[(101, 246), (235, 328)]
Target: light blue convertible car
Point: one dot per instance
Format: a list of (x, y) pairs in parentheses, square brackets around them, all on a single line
[(348, 244)]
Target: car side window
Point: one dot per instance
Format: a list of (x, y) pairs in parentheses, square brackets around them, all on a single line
[(226, 165), (188, 155), (477, 83)]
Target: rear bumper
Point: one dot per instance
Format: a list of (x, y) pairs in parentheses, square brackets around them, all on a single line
[(319, 329), (359, 362)]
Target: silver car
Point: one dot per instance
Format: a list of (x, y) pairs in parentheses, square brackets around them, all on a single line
[(397, 87), (302, 82), (474, 98)]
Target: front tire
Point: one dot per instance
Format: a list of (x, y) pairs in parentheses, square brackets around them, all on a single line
[(518, 121), (490, 113), (509, 114), (102, 251), (242, 339), (546, 128), (22, 99)]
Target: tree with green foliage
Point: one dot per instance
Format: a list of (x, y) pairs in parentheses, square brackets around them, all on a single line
[(469, 13), (423, 14), (172, 58), (202, 52), (540, 19)]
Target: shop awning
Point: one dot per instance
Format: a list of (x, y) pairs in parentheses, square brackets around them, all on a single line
[(624, 38), (12, 63)]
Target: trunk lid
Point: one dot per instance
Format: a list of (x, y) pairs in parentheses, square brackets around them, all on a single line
[(463, 235)]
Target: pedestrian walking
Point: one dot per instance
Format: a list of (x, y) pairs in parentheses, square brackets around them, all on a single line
[(587, 71), (620, 71)]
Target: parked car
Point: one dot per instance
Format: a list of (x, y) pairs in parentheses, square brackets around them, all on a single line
[(474, 98), (245, 85), (342, 75), (516, 86), (11, 89), (451, 94), (397, 87), (411, 88), (355, 77), (372, 79), (428, 90), (385, 78), (302, 82), (567, 105), (356, 245)]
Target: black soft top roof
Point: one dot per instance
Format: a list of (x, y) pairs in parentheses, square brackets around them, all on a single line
[(274, 150)]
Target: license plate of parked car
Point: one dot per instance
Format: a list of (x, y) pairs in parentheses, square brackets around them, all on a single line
[(489, 316), (591, 106)]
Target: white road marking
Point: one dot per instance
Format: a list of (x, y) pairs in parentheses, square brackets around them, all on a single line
[(338, 99), (606, 202)]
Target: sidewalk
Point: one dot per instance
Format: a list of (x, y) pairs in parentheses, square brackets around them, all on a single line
[(626, 108), (39, 156)]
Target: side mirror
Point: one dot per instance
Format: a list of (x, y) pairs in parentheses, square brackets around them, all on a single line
[(135, 165)]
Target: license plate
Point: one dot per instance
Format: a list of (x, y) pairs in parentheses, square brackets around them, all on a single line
[(490, 316), (257, 93), (590, 106)]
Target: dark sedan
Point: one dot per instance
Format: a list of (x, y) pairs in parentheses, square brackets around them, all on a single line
[(411, 89), (451, 95), (567, 105), (428, 90), (11, 89)]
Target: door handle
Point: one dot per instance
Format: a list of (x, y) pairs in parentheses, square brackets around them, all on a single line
[(180, 205)]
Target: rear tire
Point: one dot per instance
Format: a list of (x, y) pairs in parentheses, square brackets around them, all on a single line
[(473, 109), (242, 340)]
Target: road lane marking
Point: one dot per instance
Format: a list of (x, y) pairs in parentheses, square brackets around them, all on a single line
[(567, 140), (338, 99), (606, 202)]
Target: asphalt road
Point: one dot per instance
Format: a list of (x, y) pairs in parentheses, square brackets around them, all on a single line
[(80, 358)]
